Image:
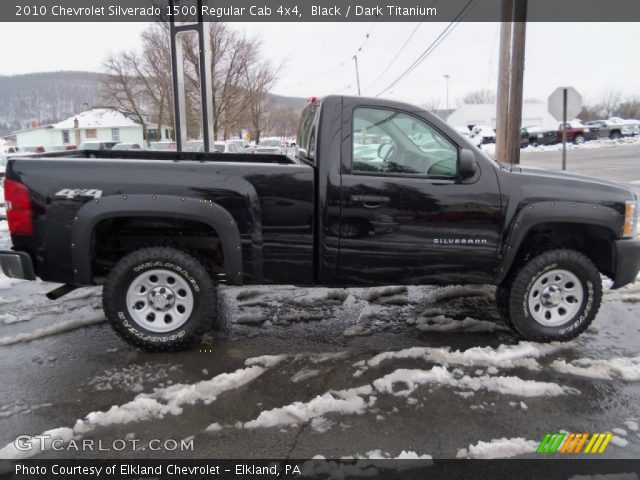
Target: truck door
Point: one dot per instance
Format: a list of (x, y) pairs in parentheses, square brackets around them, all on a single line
[(406, 216)]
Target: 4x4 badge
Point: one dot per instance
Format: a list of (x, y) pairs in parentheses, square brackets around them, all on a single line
[(71, 193)]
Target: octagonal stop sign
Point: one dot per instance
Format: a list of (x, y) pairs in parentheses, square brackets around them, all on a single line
[(556, 100)]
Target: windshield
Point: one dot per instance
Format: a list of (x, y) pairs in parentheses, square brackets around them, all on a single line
[(3, 160), (270, 143), (218, 147)]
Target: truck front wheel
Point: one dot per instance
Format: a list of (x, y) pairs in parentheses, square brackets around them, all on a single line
[(159, 299), (555, 296)]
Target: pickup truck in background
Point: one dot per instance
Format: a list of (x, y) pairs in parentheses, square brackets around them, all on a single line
[(577, 133), (609, 129), (418, 205)]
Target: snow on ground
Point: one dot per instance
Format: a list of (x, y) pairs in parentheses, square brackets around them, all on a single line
[(498, 448), (625, 368), (131, 378), (59, 435), (441, 376), (163, 401), (57, 328), (631, 424), (442, 323), (342, 402), (522, 354), (490, 148)]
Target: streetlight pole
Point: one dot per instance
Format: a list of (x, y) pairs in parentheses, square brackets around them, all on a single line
[(447, 79), (355, 59)]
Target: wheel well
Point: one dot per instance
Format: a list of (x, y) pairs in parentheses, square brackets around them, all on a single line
[(115, 237), (594, 241)]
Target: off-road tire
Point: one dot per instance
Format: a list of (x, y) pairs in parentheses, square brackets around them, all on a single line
[(519, 306), (178, 263)]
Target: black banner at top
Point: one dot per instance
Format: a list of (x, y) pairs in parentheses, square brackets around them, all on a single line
[(313, 10)]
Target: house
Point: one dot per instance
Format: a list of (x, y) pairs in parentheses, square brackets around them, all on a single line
[(101, 124), (485, 114)]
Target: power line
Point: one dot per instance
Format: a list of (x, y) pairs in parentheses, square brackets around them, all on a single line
[(431, 48), (342, 64), (397, 55)]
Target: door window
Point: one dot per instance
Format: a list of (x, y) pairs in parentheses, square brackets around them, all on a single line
[(391, 142)]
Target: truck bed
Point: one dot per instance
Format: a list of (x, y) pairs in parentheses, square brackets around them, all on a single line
[(168, 156)]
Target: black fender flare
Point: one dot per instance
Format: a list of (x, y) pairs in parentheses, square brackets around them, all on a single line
[(552, 212), (114, 206)]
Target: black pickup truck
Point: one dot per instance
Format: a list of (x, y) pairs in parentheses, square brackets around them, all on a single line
[(379, 193)]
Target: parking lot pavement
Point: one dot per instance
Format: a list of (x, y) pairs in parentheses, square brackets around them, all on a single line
[(332, 372), (618, 163)]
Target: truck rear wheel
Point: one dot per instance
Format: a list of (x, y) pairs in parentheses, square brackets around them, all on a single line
[(555, 296), (159, 299)]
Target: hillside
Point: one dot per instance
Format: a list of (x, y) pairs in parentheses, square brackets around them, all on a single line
[(53, 96)]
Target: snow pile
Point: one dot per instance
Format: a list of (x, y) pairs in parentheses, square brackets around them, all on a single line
[(593, 144), (498, 448), (54, 329), (342, 402), (631, 424), (63, 435), (214, 427), (170, 400), (522, 354), (305, 374), (441, 376), (625, 368)]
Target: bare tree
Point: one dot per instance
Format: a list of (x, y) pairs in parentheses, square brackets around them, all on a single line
[(480, 97), (141, 82), (610, 102), (432, 104)]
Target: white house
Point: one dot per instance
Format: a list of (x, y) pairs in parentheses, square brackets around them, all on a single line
[(485, 114), (93, 125)]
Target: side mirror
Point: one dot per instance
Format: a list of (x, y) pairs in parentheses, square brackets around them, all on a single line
[(301, 152), (467, 164)]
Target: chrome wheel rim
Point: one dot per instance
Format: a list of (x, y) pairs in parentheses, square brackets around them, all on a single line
[(159, 300), (555, 298)]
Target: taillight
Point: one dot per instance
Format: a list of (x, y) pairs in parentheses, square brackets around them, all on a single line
[(18, 207)]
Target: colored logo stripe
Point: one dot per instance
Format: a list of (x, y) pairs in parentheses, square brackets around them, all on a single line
[(572, 443)]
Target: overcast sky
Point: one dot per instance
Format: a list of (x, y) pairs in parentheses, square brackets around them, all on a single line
[(317, 57)]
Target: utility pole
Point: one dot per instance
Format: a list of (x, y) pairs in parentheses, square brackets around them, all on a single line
[(510, 81), (355, 59), (447, 78), (517, 79), (502, 101)]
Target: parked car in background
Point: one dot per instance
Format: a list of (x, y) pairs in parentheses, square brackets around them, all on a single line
[(272, 145), (633, 124), (9, 149), (464, 131), (32, 149), (577, 132), (227, 147), (482, 134), (97, 145), (540, 136), (245, 145), (62, 148), (193, 146), (165, 146), (610, 129), (127, 146)]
